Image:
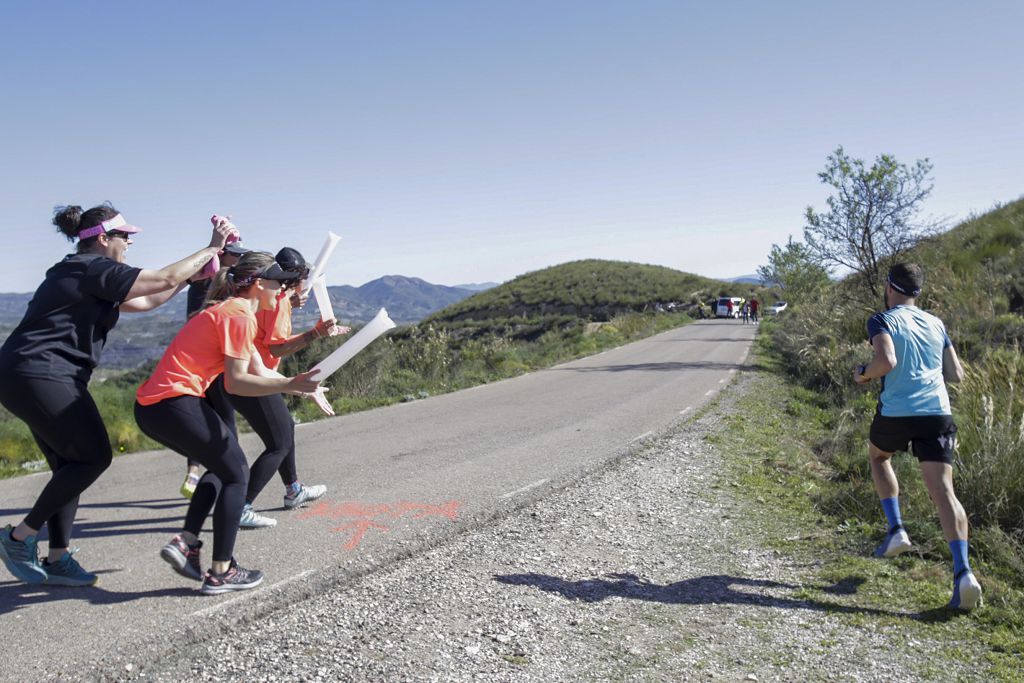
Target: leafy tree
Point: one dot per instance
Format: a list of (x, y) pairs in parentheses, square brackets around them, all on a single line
[(872, 215), (794, 269)]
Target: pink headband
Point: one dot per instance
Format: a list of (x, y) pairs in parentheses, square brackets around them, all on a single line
[(116, 223)]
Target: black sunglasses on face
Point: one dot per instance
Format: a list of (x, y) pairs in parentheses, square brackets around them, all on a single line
[(111, 234)]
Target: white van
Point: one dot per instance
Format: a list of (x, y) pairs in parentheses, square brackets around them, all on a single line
[(722, 309)]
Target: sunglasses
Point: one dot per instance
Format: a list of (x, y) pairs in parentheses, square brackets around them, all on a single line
[(111, 234)]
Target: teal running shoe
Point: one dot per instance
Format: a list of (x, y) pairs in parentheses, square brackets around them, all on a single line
[(21, 557), (67, 572)]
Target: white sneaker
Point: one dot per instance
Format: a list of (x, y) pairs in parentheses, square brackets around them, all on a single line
[(305, 494), (896, 543), (254, 520), (966, 592)]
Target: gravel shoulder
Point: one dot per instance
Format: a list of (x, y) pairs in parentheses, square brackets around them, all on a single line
[(653, 568)]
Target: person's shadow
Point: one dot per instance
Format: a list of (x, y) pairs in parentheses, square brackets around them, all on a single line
[(703, 590), (15, 595)]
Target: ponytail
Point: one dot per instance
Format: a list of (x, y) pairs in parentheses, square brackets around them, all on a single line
[(237, 279)]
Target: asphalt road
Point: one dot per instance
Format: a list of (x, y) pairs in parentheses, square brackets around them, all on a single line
[(399, 479)]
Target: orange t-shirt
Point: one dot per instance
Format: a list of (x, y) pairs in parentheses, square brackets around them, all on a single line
[(196, 354), (274, 327)]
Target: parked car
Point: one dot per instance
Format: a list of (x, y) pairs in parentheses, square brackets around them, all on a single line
[(777, 307), (722, 310)]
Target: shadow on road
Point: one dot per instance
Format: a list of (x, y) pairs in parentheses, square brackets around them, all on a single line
[(670, 366), (119, 527), (15, 595), (703, 590), (157, 504)]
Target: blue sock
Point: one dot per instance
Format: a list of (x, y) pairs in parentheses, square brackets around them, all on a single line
[(294, 488), (959, 551), (891, 507)]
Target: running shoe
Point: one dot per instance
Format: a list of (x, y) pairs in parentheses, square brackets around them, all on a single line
[(254, 520), (304, 495), (896, 543), (234, 579), (188, 487), (966, 591), (67, 572), (183, 558), (21, 557)]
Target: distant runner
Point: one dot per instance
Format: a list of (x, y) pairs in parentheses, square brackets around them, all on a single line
[(913, 356)]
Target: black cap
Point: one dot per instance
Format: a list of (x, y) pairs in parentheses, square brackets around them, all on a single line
[(235, 249), (291, 259)]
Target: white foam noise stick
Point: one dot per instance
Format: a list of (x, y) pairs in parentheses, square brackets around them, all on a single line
[(321, 261), (323, 299), (380, 324)]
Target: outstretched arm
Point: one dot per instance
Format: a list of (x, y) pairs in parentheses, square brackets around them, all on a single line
[(240, 381), (147, 303), (318, 396), (324, 328), (150, 282)]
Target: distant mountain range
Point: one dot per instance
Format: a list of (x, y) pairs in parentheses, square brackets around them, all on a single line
[(407, 299), (751, 279), (141, 337)]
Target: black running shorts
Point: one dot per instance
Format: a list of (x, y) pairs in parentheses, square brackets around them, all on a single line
[(932, 437)]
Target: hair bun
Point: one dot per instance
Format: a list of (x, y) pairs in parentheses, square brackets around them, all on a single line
[(68, 220)]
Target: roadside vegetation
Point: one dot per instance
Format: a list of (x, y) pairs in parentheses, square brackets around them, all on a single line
[(574, 310)]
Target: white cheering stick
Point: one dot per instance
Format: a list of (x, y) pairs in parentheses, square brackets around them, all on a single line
[(323, 300), (321, 261), (380, 324)]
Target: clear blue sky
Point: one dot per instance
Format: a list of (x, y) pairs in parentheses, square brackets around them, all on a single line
[(473, 141)]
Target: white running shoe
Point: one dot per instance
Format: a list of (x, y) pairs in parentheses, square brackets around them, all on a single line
[(966, 592), (254, 520), (305, 495), (896, 543)]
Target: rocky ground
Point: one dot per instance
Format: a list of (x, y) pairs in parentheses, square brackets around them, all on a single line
[(655, 568)]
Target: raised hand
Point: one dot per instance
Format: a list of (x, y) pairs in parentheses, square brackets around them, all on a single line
[(321, 401), (223, 231)]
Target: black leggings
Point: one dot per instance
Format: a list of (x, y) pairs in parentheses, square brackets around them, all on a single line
[(269, 418), (218, 399), (188, 425), (69, 431)]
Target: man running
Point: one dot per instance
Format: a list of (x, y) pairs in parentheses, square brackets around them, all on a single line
[(914, 358)]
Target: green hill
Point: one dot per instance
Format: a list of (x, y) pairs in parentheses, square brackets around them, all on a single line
[(591, 290)]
